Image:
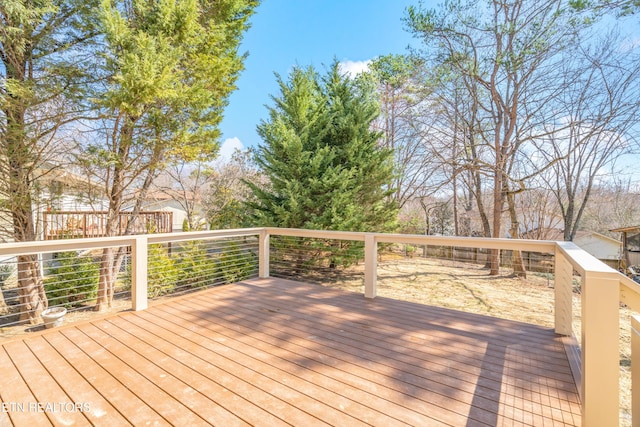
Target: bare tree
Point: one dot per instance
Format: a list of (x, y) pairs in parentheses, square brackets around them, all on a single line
[(225, 201), (601, 104), (539, 213), (461, 150), (509, 50), (612, 204), (407, 125), (186, 183)]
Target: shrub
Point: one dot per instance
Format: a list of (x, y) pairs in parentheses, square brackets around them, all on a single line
[(197, 268), (235, 264), (162, 273), (72, 279), (6, 270)]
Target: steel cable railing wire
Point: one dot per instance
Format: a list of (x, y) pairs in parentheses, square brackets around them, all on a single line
[(313, 259), (187, 266), (71, 279)]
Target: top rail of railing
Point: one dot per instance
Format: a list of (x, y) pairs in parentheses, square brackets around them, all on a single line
[(600, 310), (49, 246), (469, 242)]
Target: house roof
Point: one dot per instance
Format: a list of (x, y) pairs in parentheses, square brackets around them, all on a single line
[(627, 229), (580, 234), (558, 234)]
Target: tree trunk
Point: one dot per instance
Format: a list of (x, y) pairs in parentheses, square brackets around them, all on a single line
[(30, 289), (478, 193), (456, 226), (3, 305), (519, 269), (18, 168), (106, 283), (104, 299), (498, 203), (30, 285)]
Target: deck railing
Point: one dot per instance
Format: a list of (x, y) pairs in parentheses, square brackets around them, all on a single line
[(84, 224), (602, 291)]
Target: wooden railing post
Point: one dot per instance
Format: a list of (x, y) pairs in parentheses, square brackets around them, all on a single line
[(563, 294), (635, 371), (263, 255), (139, 260), (370, 265), (600, 349)]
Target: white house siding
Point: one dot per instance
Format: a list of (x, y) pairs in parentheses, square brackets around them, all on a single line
[(602, 247)]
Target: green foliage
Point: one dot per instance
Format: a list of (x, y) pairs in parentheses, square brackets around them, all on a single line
[(235, 263), (394, 70), (42, 85), (409, 250), (197, 268), (6, 270), (324, 167), (227, 216), (620, 7), (172, 66), (321, 158), (169, 68), (72, 279), (162, 273), (225, 203)]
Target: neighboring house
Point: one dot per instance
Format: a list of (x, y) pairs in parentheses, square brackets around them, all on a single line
[(66, 206), (165, 203), (630, 244), (58, 190), (606, 249), (168, 200), (54, 189)]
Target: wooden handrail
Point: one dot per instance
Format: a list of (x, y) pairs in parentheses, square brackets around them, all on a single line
[(603, 289)]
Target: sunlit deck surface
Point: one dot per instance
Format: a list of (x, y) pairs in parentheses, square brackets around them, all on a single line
[(274, 352)]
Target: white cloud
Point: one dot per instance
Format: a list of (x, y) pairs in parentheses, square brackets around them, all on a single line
[(228, 147), (353, 68)]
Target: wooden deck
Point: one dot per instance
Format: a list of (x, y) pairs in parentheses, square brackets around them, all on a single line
[(273, 352)]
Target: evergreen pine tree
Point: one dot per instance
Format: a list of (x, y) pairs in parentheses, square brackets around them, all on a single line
[(324, 167)]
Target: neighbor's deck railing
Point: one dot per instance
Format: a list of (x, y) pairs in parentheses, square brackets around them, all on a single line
[(602, 291), (85, 224)]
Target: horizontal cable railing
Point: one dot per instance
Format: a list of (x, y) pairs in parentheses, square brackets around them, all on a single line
[(155, 265), (72, 273), (180, 267), (601, 292), (316, 260), (60, 274)]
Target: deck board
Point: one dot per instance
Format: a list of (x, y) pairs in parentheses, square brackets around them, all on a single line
[(74, 384), (276, 352)]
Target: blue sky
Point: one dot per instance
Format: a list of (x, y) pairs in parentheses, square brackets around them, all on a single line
[(285, 33)]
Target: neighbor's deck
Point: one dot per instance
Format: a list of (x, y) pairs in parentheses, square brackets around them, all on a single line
[(274, 352)]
